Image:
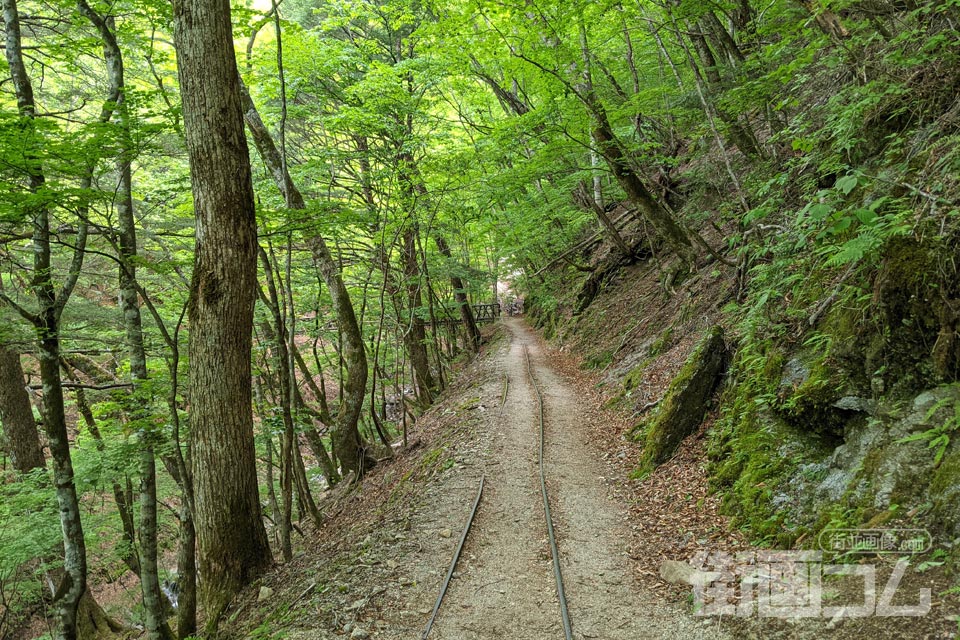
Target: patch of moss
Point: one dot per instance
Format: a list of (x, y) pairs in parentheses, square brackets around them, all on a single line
[(945, 492), (752, 455), (774, 366), (751, 471), (598, 360), (432, 458), (661, 343), (912, 290), (809, 406), (633, 378)]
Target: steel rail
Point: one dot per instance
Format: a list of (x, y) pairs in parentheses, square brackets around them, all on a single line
[(564, 613), (503, 397), (453, 565)]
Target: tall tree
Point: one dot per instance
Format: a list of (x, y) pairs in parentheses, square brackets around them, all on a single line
[(231, 539), (46, 322), (153, 600)]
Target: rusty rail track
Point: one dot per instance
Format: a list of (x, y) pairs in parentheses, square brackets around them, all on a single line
[(554, 552)]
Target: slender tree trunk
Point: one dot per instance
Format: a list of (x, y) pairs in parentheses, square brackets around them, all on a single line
[(231, 539), (46, 321), (153, 599), (582, 197), (739, 134), (431, 309), (670, 230), (611, 148), (127, 546), (305, 497), (187, 575), (460, 295), (277, 336), (27, 456), (347, 444)]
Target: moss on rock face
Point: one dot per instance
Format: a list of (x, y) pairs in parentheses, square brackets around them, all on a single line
[(945, 490), (757, 460), (915, 292), (682, 408), (811, 404)]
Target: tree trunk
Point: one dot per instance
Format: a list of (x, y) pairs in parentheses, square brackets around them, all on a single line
[(277, 336), (231, 540), (153, 599), (828, 21), (308, 505), (187, 576), (19, 427), (47, 324), (127, 548), (415, 335), (671, 231), (743, 138), (460, 295), (27, 456), (582, 197), (347, 444)]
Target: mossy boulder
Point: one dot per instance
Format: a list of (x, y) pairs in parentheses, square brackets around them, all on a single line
[(682, 409)]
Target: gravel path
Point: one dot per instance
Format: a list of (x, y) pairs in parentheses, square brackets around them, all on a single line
[(504, 587), (383, 583)]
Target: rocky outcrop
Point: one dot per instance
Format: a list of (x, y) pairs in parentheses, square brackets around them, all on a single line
[(682, 409)]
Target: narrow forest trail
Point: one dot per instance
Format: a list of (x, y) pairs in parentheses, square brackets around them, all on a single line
[(380, 571), (505, 587)]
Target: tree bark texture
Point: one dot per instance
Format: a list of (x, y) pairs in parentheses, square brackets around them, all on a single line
[(19, 427), (231, 539)]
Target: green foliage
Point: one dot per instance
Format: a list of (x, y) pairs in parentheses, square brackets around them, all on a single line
[(938, 437), (475, 121), (29, 531)]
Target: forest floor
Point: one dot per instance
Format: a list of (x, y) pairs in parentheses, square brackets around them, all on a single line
[(375, 569)]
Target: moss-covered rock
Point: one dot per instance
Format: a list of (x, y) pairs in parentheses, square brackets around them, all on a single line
[(809, 397), (780, 480), (682, 408), (914, 296), (945, 493)]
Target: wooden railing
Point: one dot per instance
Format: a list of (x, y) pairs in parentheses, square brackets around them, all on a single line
[(481, 313)]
